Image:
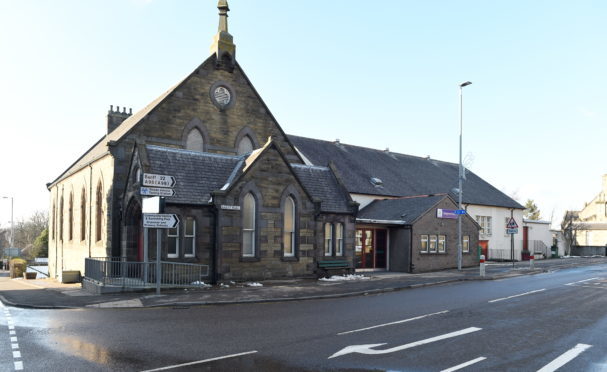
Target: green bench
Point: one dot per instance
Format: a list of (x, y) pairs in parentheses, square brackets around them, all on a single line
[(332, 265)]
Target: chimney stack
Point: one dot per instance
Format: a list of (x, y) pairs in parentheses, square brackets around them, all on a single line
[(115, 117)]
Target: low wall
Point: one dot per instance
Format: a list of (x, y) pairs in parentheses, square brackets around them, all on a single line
[(588, 251)]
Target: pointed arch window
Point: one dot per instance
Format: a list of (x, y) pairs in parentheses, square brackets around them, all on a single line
[(98, 212), (83, 214), (54, 218), (245, 145), (70, 217), (248, 226), (194, 141), (61, 219), (288, 232)]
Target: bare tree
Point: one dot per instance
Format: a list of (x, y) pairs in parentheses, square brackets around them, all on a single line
[(571, 227), (26, 231)]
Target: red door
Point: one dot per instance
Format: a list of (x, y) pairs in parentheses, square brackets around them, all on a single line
[(484, 244)]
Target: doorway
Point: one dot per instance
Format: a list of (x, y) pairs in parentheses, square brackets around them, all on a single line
[(134, 232), (371, 248)]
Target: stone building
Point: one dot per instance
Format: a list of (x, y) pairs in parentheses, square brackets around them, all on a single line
[(248, 205), (586, 229), (252, 202)]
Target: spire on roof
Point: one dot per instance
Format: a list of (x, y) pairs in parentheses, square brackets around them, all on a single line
[(223, 43)]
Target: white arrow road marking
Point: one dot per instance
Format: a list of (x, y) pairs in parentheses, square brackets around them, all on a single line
[(393, 323), (565, 358), (518, 295), (464, 365), (368, 349)]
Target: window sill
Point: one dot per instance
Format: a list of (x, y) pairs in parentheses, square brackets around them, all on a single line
[(289, 258), (249, 259)]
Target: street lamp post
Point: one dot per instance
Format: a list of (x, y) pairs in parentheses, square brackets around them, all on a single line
[(12, 223), (460, 177)]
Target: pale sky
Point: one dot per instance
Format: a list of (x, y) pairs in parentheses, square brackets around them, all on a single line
[(375, 74)]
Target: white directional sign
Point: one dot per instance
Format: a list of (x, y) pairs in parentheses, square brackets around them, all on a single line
[(369, 348), (157, 191), (158, 180), (160, 221)]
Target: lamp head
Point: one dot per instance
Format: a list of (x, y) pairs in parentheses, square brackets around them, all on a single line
[(464, 84)]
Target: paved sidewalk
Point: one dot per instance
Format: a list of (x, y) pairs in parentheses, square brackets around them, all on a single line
[(49, 294)]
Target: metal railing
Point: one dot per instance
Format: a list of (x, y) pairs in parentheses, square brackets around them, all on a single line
[(116, 271)]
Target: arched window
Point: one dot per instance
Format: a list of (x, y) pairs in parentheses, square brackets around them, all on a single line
[(248, 226), (328, 239), (70, 217), (54, 218), (83, 214), (339, 239), (288, 231), (194, 141), (61, 219), (245, 145), (98, 212)]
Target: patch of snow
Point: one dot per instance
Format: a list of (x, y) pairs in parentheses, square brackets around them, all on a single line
[(201, 284), (253, 284), (338, 278), (223, 285)]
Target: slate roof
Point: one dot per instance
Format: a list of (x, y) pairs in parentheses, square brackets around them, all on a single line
[(405, 210), (197, 174), (321, 184), (401, 175)]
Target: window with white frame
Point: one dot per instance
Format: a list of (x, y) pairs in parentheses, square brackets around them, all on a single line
[(442, 244), (173, 242), (466, 244), (328, 239), (432, 245), (485, 223), (339, 239), (248, 226), (189, 237), (288, 230), (424, 243)]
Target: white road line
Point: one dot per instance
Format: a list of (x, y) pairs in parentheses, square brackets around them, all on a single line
[(463, 365), (392, 323), (565, 358), (11, 327), (11, 332), (201, 361), (16, 354), (518, 295), (14, 339), (15, 346), (581, 281), (18, 366)]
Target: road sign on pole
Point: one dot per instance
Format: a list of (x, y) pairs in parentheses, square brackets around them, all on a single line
[(160, 221), (511, 231), (157, 191), (512, 224), (158, 180)]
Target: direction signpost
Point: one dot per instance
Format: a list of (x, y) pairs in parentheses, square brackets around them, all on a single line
[(156, 191), (155, 186), (158, 180)]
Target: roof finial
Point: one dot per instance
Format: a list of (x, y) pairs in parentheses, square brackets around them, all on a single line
[(223, 45), (223, 15)]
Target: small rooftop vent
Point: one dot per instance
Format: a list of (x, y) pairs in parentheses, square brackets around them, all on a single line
[(376, 181)]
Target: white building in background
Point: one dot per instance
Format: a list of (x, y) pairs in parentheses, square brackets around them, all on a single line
[(537, 238)]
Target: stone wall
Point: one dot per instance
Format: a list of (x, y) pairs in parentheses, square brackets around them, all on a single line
[(429, 224)]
